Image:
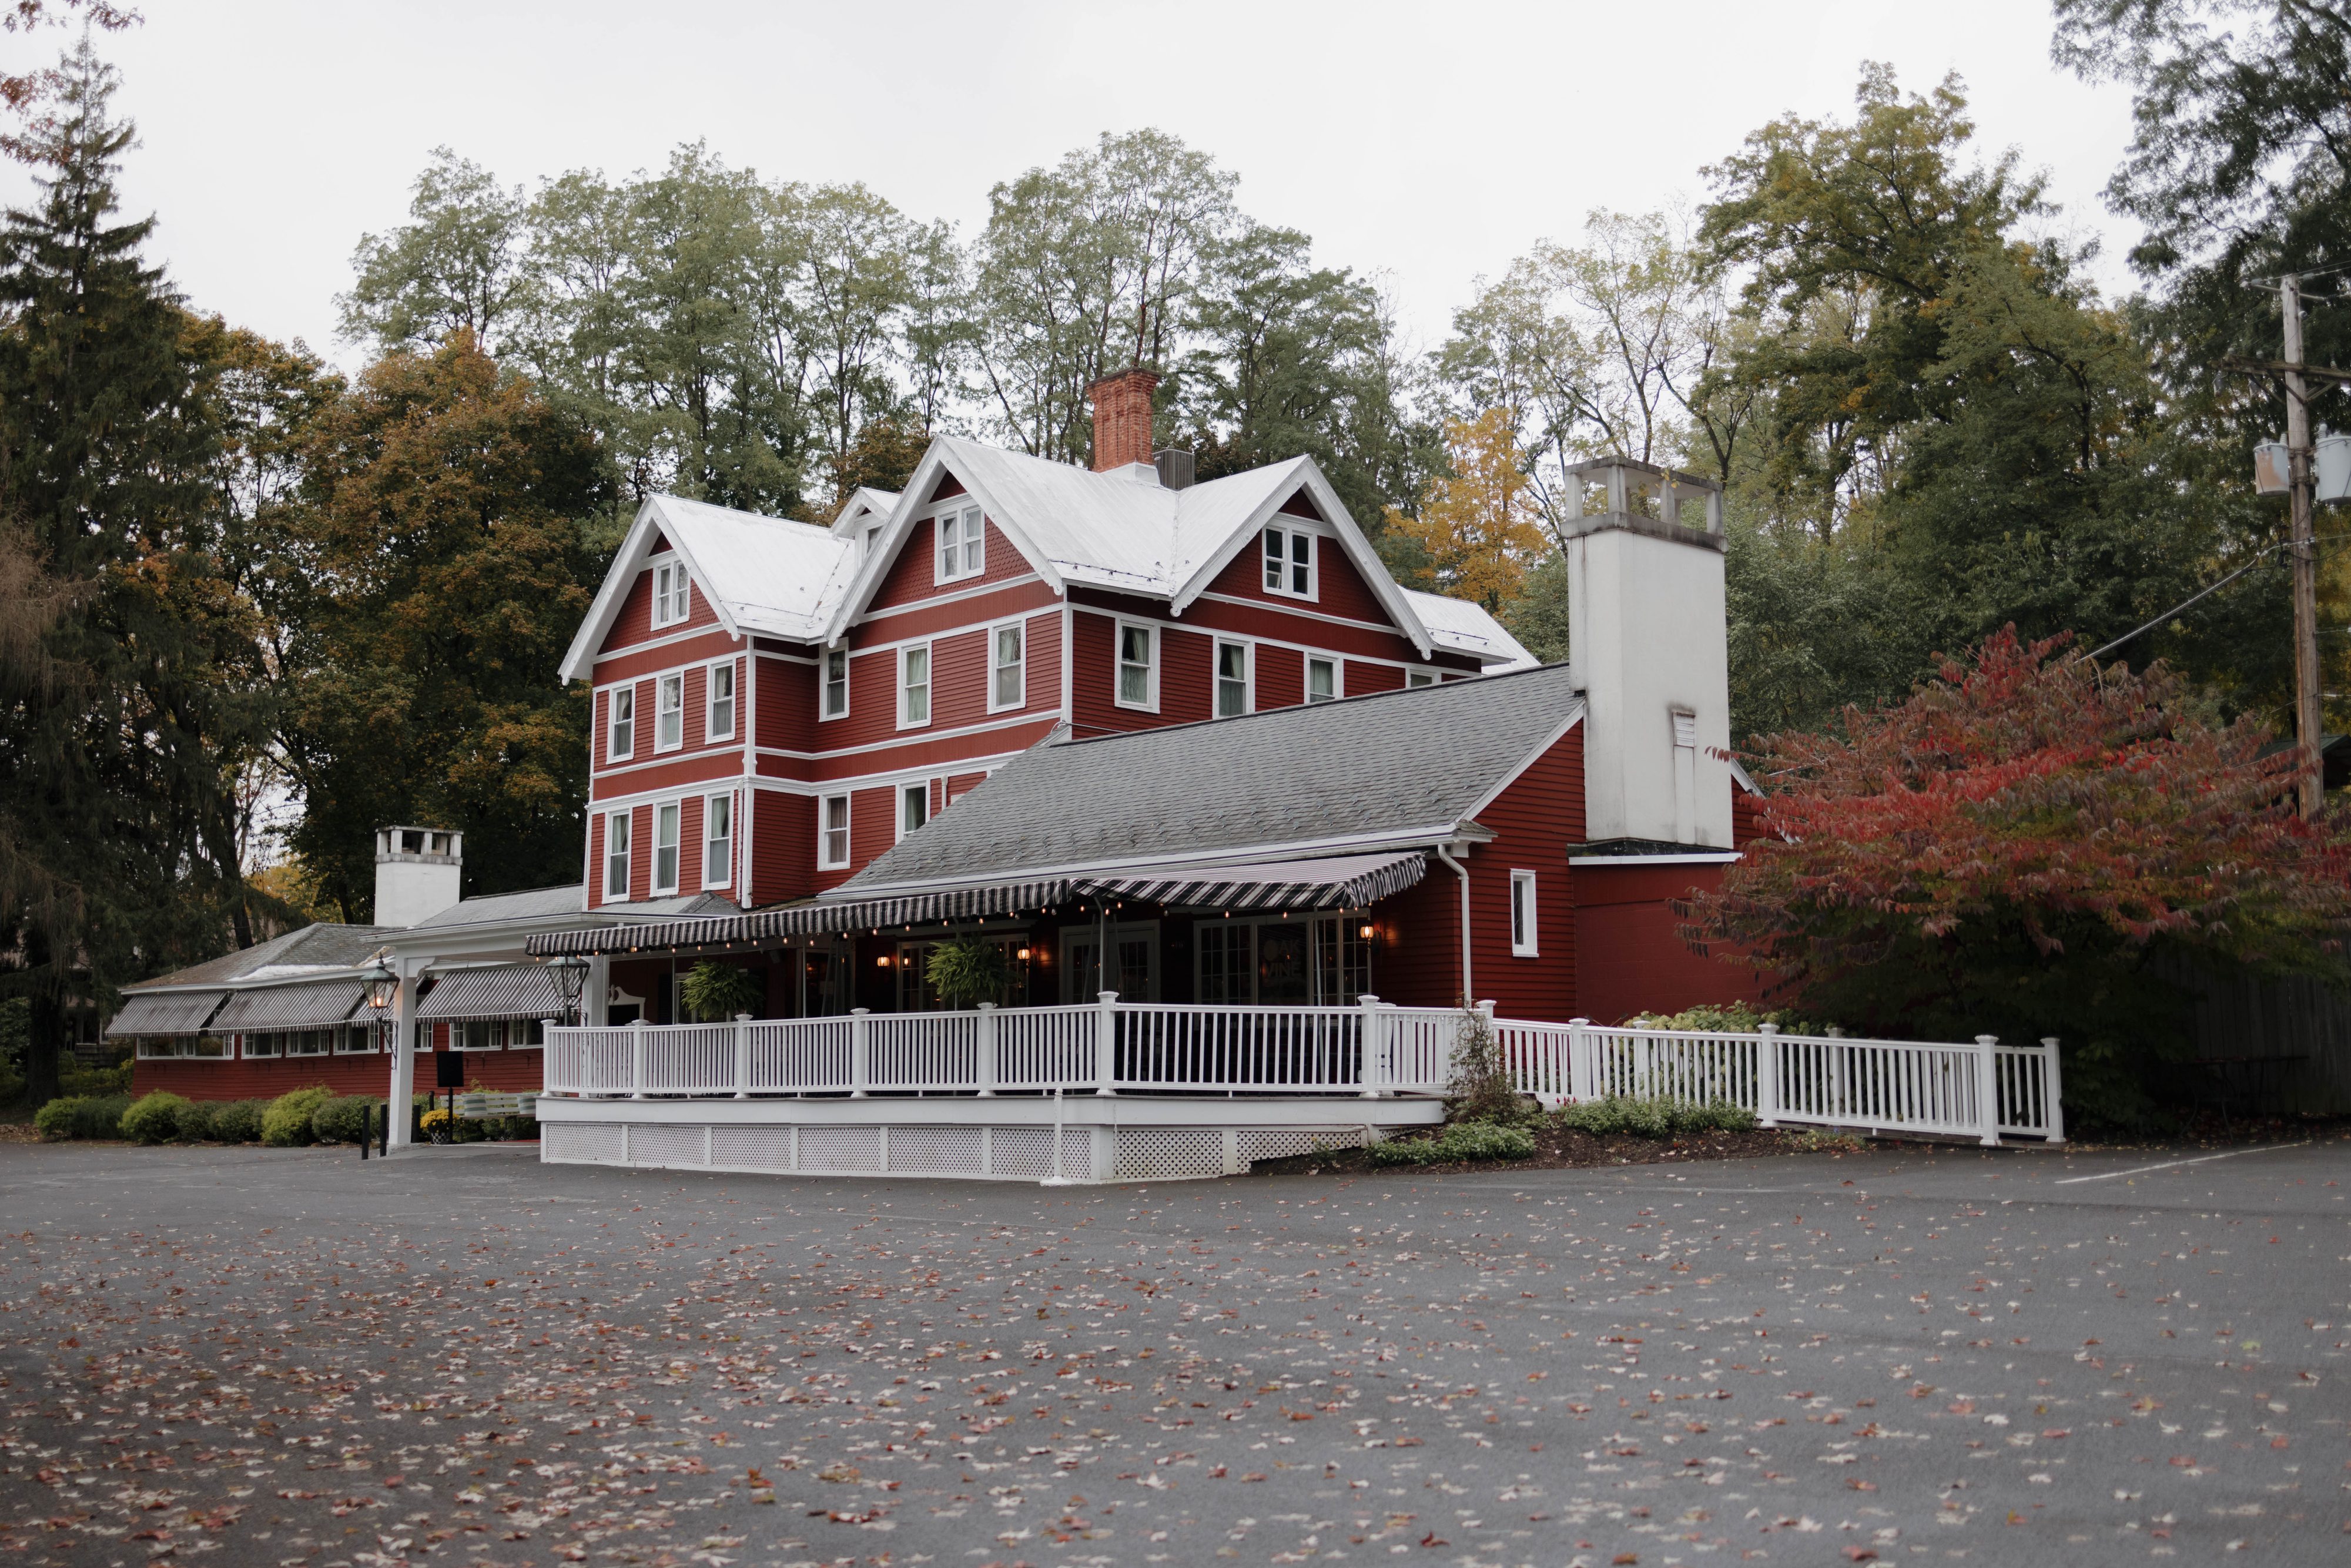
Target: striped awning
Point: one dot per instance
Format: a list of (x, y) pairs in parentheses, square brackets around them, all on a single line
[(168, 1012), (1341, 881), (498, 991), (1346, 881), (306, 1005)]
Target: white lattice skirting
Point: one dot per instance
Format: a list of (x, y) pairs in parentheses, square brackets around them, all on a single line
[(1073, 1152)]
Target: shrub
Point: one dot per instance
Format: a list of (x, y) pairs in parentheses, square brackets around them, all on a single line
[(194, 1124), (342, 1119), (236, 1121), (95, 1081), (1481, 1088), (1726, 1017), (1653, 1118), (286, 1125), (1459, 1141), (154, 1118), (82, 1116)]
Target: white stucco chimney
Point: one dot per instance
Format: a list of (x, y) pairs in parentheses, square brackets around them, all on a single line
[(1649, 646), (417, 873)]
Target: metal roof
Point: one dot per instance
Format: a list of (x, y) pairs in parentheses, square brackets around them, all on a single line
[(499, 992), (305, 1006), (326, 945), (483, 908), (166, 1012)]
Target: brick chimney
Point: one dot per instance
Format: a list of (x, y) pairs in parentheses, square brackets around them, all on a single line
[(1122, 418)]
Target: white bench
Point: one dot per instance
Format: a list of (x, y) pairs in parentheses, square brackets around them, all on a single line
[(478, 1106)]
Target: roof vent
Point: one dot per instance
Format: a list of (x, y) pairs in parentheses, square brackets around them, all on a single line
[(1174, 467)]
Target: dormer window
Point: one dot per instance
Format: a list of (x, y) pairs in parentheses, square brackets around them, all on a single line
[(962, 544), (1290, 562), (672, 593)]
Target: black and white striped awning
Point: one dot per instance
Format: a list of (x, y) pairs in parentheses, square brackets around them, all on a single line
[(170, 1012), (498, 991), (1345, 882), (1341, 881), (306, 1005)]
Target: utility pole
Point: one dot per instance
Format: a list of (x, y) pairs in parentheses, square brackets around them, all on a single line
[(2305, 552)]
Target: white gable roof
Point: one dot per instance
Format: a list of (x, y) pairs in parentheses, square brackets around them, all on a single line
[(760, 574), (1468, 628)]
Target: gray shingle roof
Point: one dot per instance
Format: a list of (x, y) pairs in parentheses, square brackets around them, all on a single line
[(325, 945), (1391, 764)]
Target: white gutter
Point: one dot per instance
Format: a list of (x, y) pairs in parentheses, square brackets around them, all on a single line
[(1444, 853)]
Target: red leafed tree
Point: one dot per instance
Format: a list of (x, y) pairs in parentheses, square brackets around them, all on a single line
[(2031, 845)]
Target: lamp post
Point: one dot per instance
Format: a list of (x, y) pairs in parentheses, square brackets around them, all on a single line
[(571, 979), (381, 986)]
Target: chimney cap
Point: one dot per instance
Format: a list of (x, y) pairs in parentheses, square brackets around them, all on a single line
[(442, 845)]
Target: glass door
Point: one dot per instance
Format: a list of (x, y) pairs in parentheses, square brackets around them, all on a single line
[(1132, 970)]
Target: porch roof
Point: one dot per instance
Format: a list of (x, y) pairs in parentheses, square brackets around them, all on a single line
[(290, 1007), (1338, 882), (164, 1012), (494, 991)]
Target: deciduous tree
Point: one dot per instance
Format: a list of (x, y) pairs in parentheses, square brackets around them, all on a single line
[(1476, 523)]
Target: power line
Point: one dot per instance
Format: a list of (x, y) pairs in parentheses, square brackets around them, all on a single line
[(2260, 557)]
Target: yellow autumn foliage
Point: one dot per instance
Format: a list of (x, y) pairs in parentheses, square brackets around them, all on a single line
[(1479, 525)]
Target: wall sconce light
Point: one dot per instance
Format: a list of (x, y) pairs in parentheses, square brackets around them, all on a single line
[(1367, 931), (883, 962), (1022, 955)]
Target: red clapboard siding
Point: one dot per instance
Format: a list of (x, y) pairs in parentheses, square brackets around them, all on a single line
[(1536, 819), (634, 624), (711, 645), (1280, 678), (1746, 817), (266, 1079), (1271, 619), (1363, 678), (695, 770), (783, 840), (928, 618), (1093, 678), (914, 575), (1631, 960), (1339, 588), (785, 704), (1187, 676)]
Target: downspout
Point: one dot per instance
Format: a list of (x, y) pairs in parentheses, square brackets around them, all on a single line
[(1445, 854)]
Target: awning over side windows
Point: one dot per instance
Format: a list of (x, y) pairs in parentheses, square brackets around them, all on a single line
[(169, 1013), (306, 1006), (498, 991)]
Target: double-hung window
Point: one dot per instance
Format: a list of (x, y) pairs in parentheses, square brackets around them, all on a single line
[(914, 685), (621, 737), (833, 832), (1322, 679), (1232, 679), (1008, 676), (616, 856), (962, 544), (672, 593), (718, 701), (668, 712), (914, 807), (665, 823), (1522, 914), (1290, 562), (1419, 678), (1138, 670), (836, 684), (717, 840)]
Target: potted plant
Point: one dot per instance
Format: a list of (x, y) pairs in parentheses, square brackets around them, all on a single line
[(969, 970), (717, 992)]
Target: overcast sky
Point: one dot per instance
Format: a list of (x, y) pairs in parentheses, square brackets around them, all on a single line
[(1428, 143)]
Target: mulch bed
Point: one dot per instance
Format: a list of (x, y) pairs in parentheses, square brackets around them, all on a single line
[(1557, 1148)]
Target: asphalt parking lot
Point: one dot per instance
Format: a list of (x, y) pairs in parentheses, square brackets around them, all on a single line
[(293, 1358)]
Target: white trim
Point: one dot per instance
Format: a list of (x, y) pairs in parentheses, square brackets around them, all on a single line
[(748, 726), (1020, 625), (964, 509), (1416, 678), (654, 885), (626, 816), (906, 653), (911, 507), (726, 871), (1217, 647), (1292, 532), (1199, 629), (804, 788), (613, 721), (1297, 608), (1722, 857), (899, 795), (824, 685), (710, 701), (1118, 664), (666, 587), (651, 645), (929, 736), (1523, 943), (978, 590), (848, 829), (628, 563), (662, 686), (1338, 663), (1068, 661)]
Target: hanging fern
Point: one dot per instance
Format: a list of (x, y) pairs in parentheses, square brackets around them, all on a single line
[(970, 970), (715, 992)]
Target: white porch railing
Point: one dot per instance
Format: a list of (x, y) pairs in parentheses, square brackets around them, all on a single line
[(1979, 1090)]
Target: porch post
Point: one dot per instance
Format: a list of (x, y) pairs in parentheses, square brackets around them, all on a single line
[(985, 1066), (1375, 1047), (399, 1111), (861, 1052), (742, 1056), (1106, 1043), (1579, 1058), (637, 1058), (2051, 1087), (1987, 1087), (1767, 1075)]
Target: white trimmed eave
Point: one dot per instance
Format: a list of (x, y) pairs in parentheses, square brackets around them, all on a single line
[(1342, 523), (579, 659), (911, 501)]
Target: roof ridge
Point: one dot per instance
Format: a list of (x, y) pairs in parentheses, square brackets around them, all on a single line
[(1293, 710)]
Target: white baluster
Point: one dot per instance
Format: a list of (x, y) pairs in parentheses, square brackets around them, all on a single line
[(1988, 1088), (637, 1059), (1767, 1076), (742, 1056), (984, 1034), (1105, 1042), (861, 1052)]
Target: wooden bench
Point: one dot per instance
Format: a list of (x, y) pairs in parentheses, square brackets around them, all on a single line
[(478, 1106)]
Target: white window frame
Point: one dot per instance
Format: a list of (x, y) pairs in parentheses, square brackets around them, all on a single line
[(713, 805), (824, 709), (493, 1035), (711, 675), (873, 537), (1216, 677), (906, 719), (1414, 679), (1338, 679), (959, 537), (665, 712), (619, 827), (920, 790), (1525, 911), (1284, 579), (825, 858), (672, 815), (673, 594), (619, 725), (1150, 704), (997, 666)]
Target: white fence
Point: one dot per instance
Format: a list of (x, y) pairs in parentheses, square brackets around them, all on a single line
[(1979, 1090)]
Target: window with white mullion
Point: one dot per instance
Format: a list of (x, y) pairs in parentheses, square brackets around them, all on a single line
[(719, 702), (1234, 693), (665, 845), (914, 685), (616, 856), (620, 718), (833, 832), (963, 544), (914, 806), (1138, 666), (1322, 681), (668, 712), (1290, 562), (717, 840), (835, 703), (1419, 677), (672, 598), (1007, 679), (1522, 914)]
